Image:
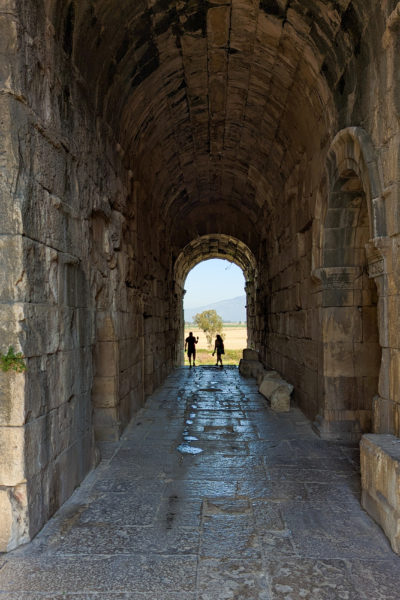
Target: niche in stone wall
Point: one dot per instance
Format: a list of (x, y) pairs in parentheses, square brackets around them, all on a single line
[(351, 354)]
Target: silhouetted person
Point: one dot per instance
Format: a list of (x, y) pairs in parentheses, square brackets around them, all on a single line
[(190, 344), (219, 349)]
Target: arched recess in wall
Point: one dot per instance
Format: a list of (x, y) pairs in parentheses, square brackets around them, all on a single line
[(350, 356), (214, 246)]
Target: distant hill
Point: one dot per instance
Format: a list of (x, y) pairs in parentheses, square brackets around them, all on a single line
[(231, 311)]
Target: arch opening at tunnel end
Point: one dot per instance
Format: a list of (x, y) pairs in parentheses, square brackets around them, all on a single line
[(207, 247)]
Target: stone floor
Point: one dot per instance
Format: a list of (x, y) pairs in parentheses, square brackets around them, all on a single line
[(266, 511)]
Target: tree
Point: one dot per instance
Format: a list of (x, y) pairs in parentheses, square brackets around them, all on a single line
[(210, 322)]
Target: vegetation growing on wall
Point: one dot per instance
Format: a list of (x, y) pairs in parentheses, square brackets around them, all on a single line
[(12, 361)]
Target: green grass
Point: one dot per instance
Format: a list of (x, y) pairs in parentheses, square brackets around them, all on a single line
[(204, 357)]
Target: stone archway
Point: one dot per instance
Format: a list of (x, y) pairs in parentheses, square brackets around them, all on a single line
[(168, 124), (350, 352), (214, 246)]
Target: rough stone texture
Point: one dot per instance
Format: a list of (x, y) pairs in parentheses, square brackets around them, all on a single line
[(267, 511), (276, 390), (250, 368), (250, 365), (280, 398), (249, 354), (380, 463), (137, 140), (269, 383)]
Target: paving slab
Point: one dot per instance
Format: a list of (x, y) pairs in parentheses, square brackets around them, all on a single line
[(264, 511)]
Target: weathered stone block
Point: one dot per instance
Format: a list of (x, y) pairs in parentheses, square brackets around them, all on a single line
[(104, 392), (367, 359), (106, 424), (342, 324), (380, 477), (12, 269), (106, 358), (384, 414), (12, 393), (339, 359), (280, 398), (12, 451), (276, 390), (261, 374), (14, 528), (249, 354), (249, 368), (270, 382)]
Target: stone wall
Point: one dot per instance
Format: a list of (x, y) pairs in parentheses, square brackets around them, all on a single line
[(85, 294), (288, 307), (130, 134)]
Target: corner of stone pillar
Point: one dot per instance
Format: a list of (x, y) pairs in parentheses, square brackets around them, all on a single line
[(329, 429), (380, 477)]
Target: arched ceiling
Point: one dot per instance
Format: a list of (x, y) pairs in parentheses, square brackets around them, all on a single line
[(214, 103), (214, 246)]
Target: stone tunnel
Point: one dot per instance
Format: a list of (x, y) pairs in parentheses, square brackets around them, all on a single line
[(140, 138)]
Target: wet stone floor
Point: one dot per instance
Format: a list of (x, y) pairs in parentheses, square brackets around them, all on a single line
[(264, 511)]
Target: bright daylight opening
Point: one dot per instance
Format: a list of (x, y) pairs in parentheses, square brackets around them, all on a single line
[(219, 286)]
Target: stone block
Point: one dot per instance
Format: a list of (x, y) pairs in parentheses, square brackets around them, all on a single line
[(105, 330), (11, 318), (380, 478), (12, 452), (367, 359), (338, 359), (14, 529), (342, 392), (13, 282), (261, 374), (47, 329), (337, 297), (12, 396), (106, 424), (247, 368), (7, 524), (270, 383), (105, 392), (105, 359), (276, 390), (149, 364), (249, 354), (370, 324), (280, 398), (384, 374), (342, 426), (342, 324), (41, 437), (384, 414)]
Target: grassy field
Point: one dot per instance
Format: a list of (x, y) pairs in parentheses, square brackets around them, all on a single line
[(235, 339)]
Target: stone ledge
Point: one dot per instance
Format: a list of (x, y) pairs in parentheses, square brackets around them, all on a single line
[(380, 477)]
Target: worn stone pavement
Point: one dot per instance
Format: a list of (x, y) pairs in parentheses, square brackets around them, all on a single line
[(267, 511)]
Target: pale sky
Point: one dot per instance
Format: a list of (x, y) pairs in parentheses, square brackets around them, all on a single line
[(213, 280)]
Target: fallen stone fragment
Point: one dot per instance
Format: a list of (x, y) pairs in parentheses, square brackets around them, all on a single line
[(280, 398), (249, 354), (250, 368), (276, 390)]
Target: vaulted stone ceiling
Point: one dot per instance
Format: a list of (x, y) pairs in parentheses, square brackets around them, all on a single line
[(214, 103)]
